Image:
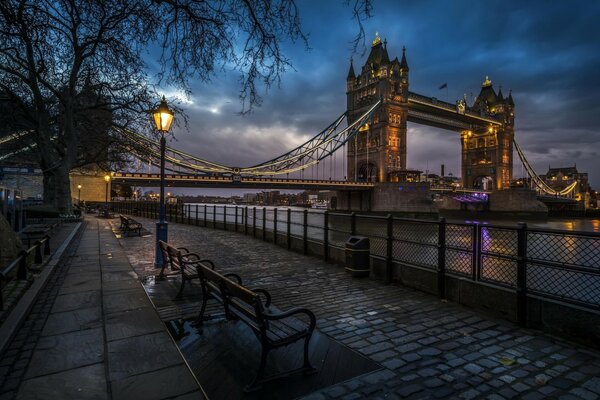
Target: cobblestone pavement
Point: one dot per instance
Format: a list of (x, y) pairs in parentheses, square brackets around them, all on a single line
[(429, 348)]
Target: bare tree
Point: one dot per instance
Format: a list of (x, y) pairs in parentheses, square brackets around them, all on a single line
[(76, 68)]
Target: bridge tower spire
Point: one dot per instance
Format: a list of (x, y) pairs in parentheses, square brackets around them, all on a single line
[(487, 153), (378, 153)]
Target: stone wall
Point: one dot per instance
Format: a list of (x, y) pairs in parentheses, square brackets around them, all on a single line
[(516, 201), (29, 182)]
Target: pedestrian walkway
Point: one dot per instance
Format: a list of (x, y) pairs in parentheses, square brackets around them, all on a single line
[(428, 348), (94, 334)]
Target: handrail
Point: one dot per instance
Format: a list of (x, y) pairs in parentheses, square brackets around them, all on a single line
[(20, 263)]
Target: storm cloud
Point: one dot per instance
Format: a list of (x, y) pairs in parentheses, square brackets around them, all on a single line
[(548, 53)]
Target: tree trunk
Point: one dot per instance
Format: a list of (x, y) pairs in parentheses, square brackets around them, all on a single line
[(62, 189)]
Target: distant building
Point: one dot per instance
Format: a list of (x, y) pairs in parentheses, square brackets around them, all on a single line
[(561, 178)]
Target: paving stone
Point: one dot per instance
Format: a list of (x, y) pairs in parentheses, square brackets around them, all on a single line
[(429, 351), (69, 321), (141, 354), (394, 363), (151, 385), (408, 390), (433, 383), (410, 357), (132, 323), (584, 394), (473, 368), (335, 391), (88, 382), (379, 376), (593, 385), (470, 394), (520, 387), (67, 351)]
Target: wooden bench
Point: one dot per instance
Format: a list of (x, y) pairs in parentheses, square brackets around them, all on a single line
[(180, 262), (270, 327), (130, 225)]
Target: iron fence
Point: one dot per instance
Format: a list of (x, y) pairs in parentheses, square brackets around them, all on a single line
[(562, 265)]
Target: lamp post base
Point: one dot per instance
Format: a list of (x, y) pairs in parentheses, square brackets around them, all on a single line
[(162, 233)]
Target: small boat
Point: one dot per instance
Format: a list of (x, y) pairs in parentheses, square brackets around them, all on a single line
[(320, 205)]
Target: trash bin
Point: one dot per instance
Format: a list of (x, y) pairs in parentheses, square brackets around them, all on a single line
[(358, 256)]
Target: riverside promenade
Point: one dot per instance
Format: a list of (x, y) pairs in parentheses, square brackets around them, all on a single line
[(95, 333), (426, 348)]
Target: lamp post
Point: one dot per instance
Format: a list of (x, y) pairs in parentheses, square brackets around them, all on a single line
[(107, 180), (79, 196), (163, 116)]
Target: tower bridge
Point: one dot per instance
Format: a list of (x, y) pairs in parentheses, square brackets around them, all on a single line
[(372, 145)]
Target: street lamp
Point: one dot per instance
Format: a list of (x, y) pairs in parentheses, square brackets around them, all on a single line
[(107, 179), (79, 196), (163, 116)]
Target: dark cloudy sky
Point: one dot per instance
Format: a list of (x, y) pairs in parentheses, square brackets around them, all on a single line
[(547, 52)]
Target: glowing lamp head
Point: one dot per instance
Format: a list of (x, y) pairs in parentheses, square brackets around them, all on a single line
[(79, 187), (163, 116), (107, 178)]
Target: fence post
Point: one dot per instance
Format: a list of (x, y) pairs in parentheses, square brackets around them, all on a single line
[(196, 214), (389, 248), (275, 225), (254, 221), (476, 252), (236, 219), (245, 218), (224, 218), (353, 224), (264, 227), (305, 235), (189, 213), (522, 274), (205, 215), (22, 271), (441, 269), (326, 235), (289, 228), (214, 216)]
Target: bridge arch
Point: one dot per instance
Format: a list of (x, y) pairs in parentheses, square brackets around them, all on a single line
[(483, 182), (368, 172)]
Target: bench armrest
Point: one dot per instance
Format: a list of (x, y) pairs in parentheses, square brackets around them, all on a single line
[(264, 293), (184, 249), (232, 275), (294, 311)]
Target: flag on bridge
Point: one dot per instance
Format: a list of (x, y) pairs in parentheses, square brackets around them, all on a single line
[(444, 86)]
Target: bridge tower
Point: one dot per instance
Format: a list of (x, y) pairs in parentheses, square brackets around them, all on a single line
[(487, 153), (378, 153)]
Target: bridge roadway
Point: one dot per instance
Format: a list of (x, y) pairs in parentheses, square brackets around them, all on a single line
[(185, 180)]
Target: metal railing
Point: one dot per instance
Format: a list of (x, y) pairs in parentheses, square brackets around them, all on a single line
[(561, 265), (17, 269)]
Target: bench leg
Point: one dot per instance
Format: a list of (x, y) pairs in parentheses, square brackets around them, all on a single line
[(182, 285), (256, 382), (307, 368), (200, 319)]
